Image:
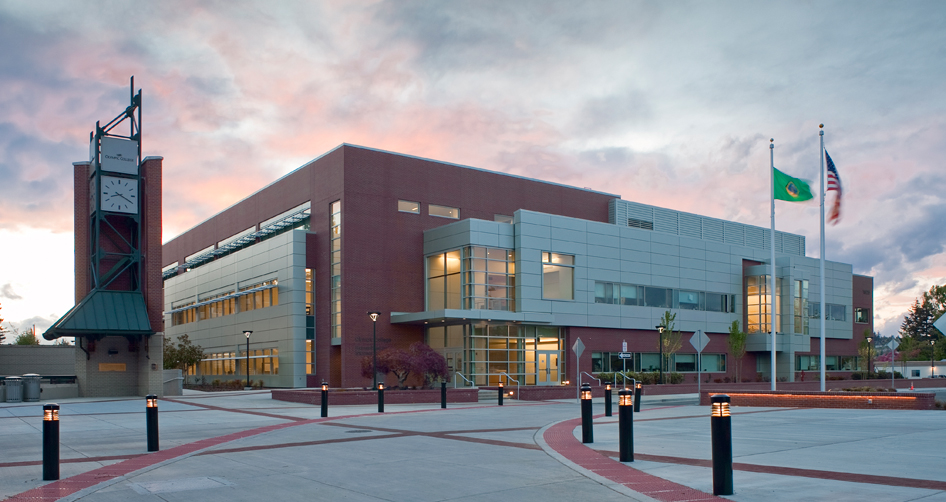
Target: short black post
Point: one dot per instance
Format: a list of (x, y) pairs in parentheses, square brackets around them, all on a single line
[(500, 393), (722, 445), (638, 390), (587, 435), (151, 421), (380, 398), (626, 424), (607, 400), (50, 442), (324, 399), (443, 394)]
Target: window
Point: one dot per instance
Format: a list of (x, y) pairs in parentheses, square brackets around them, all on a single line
[(474, 277), (407, 206), (833, 312), (443, 211), (657, 297), (335, 233), (914, 373), (861, 315), (800, 307), (309, 300), (689, 300), (258, 296), (558, 273), (758, 300), (502, 218)]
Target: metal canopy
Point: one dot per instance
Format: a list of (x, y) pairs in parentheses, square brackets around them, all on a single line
[(104, 313)]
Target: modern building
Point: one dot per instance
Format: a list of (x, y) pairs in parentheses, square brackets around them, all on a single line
[(500, 273)]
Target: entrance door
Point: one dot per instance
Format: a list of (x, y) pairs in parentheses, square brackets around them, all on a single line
[(547, 367), (454, 365)]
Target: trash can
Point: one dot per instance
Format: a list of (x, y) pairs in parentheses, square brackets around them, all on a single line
[(31, 388), (14, 389)]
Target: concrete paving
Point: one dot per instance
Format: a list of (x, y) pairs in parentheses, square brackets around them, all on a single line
[(245, 446)]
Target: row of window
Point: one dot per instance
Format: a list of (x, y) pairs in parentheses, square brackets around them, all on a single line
[(261, 362), (413, 207), (335, 233), (650, 361), (831, 363), (648, 296), (229, 303)]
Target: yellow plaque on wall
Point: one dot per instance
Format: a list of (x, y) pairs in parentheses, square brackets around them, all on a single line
[(111, 366)]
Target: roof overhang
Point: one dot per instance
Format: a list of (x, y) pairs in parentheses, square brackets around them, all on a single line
[(457, 316), (104, 313)]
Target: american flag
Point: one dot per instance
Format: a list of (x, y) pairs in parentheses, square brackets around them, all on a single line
[(834, 183)]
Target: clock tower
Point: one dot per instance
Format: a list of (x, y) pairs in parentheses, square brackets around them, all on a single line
[(117, 321)]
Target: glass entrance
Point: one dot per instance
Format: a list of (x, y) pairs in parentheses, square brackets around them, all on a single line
[(455, 365), (548, 367)]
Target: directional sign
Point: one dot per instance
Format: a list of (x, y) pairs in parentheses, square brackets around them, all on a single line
[(625, 355), (578, 347), (699, 340)]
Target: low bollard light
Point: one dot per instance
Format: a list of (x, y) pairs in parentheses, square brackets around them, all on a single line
[(443, 394), (324, 399), (380, 398), (587, 435), (50, 442), (626, 424), (607, 400), (721, 426), (638, 390), (151, 421), (500, 393)]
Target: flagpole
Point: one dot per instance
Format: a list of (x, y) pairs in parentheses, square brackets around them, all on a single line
[(822, 312), (772, 274)]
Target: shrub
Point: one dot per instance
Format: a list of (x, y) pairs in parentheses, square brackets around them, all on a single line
[(216, 383), (856, 376), (676, 378)]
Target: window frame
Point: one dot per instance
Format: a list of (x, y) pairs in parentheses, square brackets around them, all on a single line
[(456, 210)]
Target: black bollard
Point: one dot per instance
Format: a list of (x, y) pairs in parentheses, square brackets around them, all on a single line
[(50, 442), (638, 390), (151, 421), (500, 393), (722, 445), (380, 398), (324, 399), (587, 435), (443, 395), (626, 424), (607, 400)]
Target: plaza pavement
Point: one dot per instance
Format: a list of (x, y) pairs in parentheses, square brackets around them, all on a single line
[(245, 446)]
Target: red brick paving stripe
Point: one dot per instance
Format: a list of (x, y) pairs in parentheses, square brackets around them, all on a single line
[(560, 437), (235, 410), (792, 471)]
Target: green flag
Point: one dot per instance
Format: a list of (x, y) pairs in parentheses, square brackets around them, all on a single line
[(790, 189)]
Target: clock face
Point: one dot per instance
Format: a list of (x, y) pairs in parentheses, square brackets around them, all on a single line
[(119, 195)]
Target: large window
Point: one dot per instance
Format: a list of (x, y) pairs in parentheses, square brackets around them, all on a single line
[(650, 361), (335, 234), (408, 206), (258, 296), (758, 300), (646, 296), (558, 276), (831, 363), (474, 277), (262, 362), (833, 312), (800, 307)]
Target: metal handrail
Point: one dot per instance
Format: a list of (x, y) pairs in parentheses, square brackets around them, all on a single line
[(513, 379), (592, 376), (457, 373), (624, 378)]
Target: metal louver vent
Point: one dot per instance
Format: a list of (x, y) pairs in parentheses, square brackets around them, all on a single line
[(635, 223)]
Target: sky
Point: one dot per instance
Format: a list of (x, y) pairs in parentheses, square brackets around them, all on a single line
[(665, 103)]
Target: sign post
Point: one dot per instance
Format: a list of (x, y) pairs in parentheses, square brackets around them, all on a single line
[(623, 360), (893, 355), (699, 341), (578, 348)]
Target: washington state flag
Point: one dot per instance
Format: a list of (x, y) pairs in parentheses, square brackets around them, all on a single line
[(790, 189)]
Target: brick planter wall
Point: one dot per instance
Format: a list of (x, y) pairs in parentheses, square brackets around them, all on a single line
[(348, 397), (856, 400)]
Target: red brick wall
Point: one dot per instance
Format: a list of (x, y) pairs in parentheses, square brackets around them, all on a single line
[(853, 400), (81, 228), (151, 221)]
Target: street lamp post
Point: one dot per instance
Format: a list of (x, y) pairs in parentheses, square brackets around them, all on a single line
[(247, 334), (870, 350), (374, 348), (661, 345), (932, 356)]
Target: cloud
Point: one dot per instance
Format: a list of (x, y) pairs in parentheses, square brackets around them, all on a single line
[(6, 291)]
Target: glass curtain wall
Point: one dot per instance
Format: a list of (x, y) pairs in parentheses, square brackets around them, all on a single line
[(473, 277), (758, 314), (533, 355), (335, 211)]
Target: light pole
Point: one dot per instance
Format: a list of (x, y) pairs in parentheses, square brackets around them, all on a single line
[(932, 356), (247, 334), (870, 349), (374, 348), (661, 345)]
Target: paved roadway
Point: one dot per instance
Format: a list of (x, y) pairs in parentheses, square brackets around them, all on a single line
[(245, 446)]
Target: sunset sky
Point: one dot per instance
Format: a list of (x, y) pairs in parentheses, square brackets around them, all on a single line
[(664, 103)]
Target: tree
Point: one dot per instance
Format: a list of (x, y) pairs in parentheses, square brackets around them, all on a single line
[(429, 363), (27, 337), (397, 361), (672, 340), (182, 356), (737, 346), (3, 332), (918, 336)]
